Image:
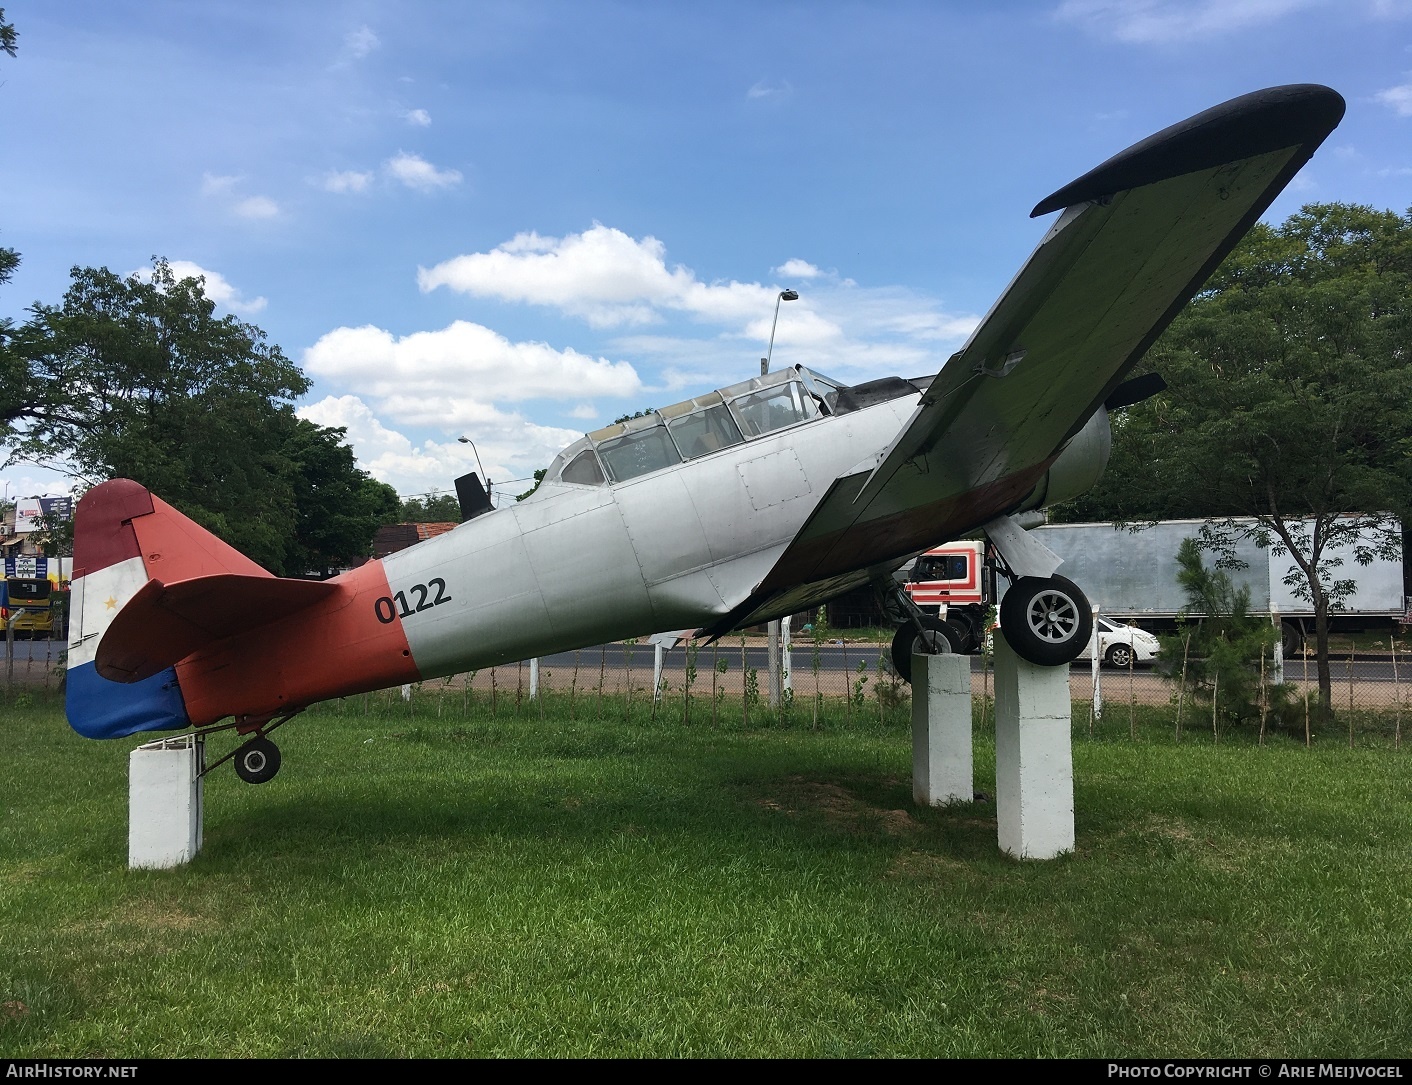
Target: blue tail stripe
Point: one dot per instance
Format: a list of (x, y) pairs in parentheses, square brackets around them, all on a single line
[(98, 708)]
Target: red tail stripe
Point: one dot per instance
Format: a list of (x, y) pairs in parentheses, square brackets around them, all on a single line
[(101, 535)]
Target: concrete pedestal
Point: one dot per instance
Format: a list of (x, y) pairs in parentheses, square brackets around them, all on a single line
[(941, 729), (1034, 765), (164, 802)]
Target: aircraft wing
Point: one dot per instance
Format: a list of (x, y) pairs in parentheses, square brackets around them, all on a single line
[(1137, 238)]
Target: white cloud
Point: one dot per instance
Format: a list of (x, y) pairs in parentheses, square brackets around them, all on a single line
[(256, 207), (39, 483), (613, 280), (215, 184), (416, 172), (359, 43), (218, 287), (601, 275), (223, 187), (586, 411), (346, 181), (418, 118), (798, 269), (1147, 22), (766, 88), (509, 446), (1399, 98), (449, 378)]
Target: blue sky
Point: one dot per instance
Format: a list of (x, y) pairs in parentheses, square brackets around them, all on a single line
[(515, 221)]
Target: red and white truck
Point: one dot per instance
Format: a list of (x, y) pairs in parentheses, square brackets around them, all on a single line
[(952, 582)]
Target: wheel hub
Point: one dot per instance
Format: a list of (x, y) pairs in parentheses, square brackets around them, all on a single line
[(1054, 617)]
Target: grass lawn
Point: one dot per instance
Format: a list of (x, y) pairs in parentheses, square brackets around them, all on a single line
[(421, 885)]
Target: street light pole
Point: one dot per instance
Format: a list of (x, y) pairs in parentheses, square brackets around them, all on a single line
[(785, 295), (772, 654), (467, 441)]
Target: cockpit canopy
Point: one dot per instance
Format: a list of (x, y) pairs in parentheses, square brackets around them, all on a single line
[(695, 427)]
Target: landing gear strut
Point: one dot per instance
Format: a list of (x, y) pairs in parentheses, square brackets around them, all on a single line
[(917, 632), (257, 759)]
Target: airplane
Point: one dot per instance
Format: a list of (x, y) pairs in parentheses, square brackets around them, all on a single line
[(759, 500)]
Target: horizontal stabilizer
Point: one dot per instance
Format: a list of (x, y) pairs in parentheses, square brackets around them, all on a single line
[(164, 623)]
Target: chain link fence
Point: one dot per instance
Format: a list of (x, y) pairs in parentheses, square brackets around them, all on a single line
[(1370, 689)]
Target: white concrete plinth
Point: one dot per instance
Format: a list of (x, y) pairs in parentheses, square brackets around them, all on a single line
[(941, 729), (1034, 763), (164, 802)]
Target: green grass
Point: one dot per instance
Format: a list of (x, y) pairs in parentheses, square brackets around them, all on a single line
[(423, 885)]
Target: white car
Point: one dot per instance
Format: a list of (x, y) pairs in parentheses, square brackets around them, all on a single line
[(1121, 645)]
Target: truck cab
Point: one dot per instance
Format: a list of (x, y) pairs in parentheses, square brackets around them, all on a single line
[(950, 582)]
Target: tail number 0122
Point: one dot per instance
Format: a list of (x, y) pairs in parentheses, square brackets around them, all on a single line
[(390, 608)]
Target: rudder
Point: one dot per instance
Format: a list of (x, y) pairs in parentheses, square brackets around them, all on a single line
[(124, 537)]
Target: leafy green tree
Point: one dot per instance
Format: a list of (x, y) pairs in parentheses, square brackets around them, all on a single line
[(1289, 401), (538, 478), (9, 258), (1222, 644), (9, 39), (428, 509), (137, 377), (339, 506)]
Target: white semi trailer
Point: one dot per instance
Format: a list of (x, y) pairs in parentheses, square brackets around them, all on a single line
[(1132, 576)]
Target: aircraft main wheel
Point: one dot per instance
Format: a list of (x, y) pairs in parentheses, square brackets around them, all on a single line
[(965, 635), (257, 761), (1047, 620), (941, 640)]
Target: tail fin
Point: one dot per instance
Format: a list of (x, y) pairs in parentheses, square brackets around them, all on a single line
[(149, 588)]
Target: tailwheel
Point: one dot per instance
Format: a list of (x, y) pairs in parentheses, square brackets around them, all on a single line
[(1047, 620), (257, 761), (940, 639)]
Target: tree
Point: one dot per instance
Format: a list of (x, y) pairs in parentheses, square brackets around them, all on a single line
[(137, 377), (1222, 645), (538, 478), (9, 258), (1289, 401), (429, 509), (339, 506)]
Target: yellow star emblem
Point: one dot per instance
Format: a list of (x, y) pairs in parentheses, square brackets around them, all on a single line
[(110, 602)]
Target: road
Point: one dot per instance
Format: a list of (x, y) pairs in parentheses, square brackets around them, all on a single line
[(834, 658)]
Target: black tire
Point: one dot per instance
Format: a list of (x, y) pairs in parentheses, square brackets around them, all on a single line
[(965, 637), (905, 641), (257, 761), (1120, 656), (1291, 639), (1047, 620)]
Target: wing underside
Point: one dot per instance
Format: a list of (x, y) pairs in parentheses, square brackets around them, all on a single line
[(1136, 239)]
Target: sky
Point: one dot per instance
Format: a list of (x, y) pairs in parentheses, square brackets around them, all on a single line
[(514, 222)]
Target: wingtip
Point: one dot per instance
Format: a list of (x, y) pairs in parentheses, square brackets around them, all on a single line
[(1301, 114)]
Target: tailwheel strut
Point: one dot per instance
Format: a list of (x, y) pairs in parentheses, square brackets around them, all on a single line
[(257, 759)]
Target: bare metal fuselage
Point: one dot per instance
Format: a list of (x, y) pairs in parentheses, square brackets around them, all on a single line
[(572, 565)]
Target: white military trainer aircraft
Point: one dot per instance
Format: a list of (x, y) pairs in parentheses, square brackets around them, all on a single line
[(756, 501)]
